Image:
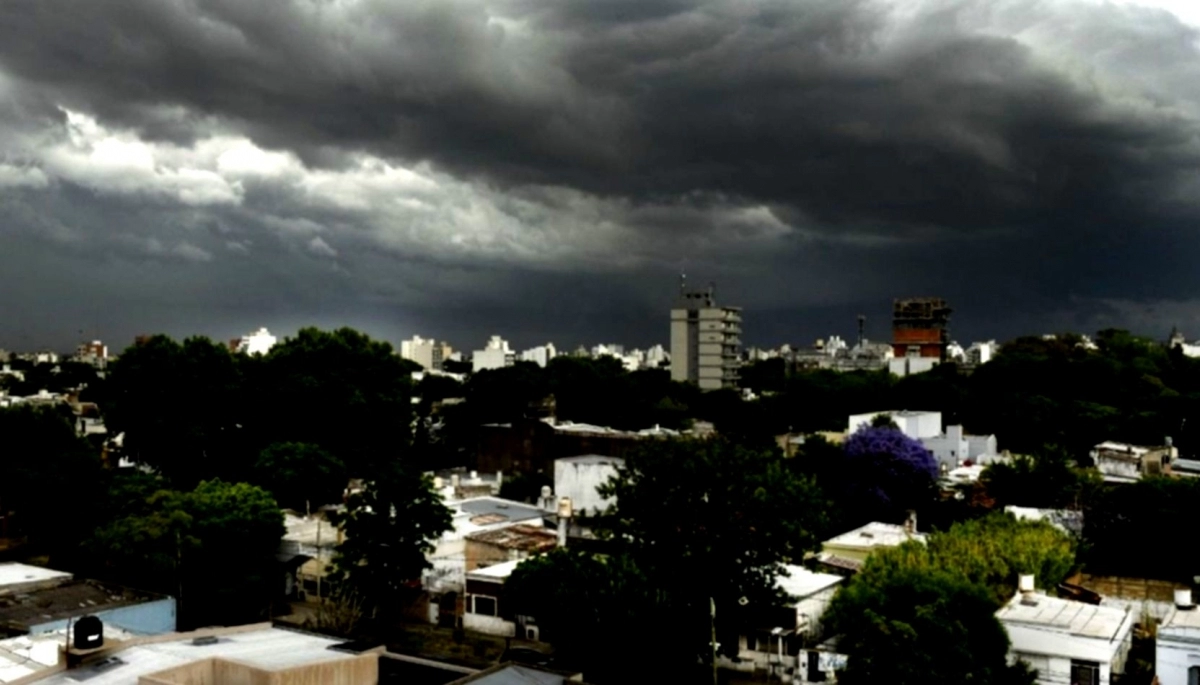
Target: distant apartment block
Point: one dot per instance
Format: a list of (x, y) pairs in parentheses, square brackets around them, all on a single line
[(430, 354), (540, 355), (258, 342), (920, 328), (495, 355), (706, 341)]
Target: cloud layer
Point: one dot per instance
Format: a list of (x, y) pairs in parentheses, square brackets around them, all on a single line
[(538, 169)]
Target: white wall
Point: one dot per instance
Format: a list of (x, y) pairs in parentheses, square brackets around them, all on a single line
[(490, 359), (1174, 658), (579, 480), (919, 426), (492, 625)]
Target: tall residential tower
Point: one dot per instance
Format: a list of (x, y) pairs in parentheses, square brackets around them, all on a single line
[(706, 340)]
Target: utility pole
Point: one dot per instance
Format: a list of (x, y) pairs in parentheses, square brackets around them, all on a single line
[(712, 616)]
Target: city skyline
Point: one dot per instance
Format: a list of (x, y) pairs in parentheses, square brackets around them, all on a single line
[(481, 166)]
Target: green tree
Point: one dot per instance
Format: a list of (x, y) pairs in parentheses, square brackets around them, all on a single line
[(389, 528), (710, 520), (300, 476), (924, 613), (908, 620), (1119, 521), (181, 408), (1049, 479), (341, 390), (48, 475), (592, 607), (213, 548), (992, 552)]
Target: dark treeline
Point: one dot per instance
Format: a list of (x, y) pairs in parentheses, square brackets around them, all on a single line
[(1035, 393)]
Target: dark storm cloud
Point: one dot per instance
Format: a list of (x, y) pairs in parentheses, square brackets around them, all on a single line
[(474, 156)]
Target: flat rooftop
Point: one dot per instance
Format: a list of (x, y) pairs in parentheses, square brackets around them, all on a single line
[(22, 574), (23, 656), (592, 459), (521, 537), (801, 582), (496, 572), (264, 648), (72, 598), (1064, 616), (489, 510), (875, 534)]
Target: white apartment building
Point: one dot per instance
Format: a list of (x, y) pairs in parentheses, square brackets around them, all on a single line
[(706, 341), (495, 355), (540, 355), (428, 353), (258, 342)]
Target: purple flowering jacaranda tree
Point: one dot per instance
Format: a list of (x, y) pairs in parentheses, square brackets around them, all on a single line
[(888, 472)]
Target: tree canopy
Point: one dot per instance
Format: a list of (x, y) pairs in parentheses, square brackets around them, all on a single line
[(884, 474), (694, 522), (48, 475), (213, 548), (301, 476), (924, 613), (389, 528)]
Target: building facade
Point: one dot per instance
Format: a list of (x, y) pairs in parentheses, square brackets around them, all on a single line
[(920, 328), (706, 341), (495, 355), (430, 354)]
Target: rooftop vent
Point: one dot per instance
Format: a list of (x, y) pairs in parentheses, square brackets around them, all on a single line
[(205, 640), (1183, 600)]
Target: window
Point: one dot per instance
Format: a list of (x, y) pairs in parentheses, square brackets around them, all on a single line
[(484, 606), (751, 644), (1194, 675), (1085, 672)]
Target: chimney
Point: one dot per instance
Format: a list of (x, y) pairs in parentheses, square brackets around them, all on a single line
[(564, 517), (1183, 600), (910, 523), (547, 499), (1025, 584)]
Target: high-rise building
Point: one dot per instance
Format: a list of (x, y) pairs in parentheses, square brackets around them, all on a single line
[(921, 328), (258, 342), (428, 353), (496, 354), (706, 340)]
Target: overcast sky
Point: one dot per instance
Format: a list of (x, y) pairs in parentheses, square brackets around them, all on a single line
[(544, 170)]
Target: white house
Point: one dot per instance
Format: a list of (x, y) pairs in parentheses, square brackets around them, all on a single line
[(778, 643), (954, 447), (1120, 462), (484, 609), (448, 560), (849, 551), (578, 478), (915, 424), (1178, 643), (1068, 642)]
